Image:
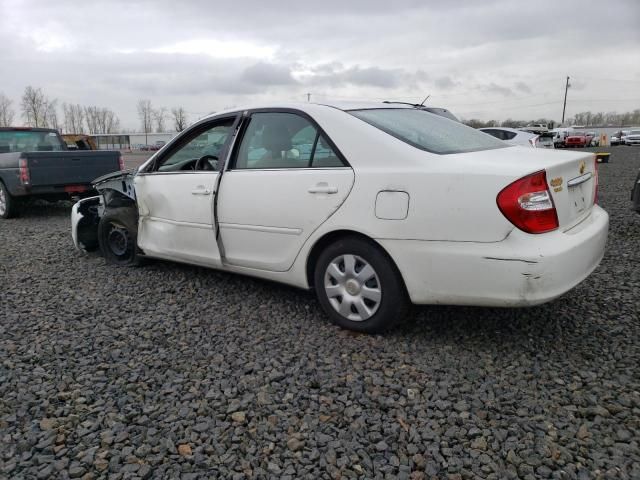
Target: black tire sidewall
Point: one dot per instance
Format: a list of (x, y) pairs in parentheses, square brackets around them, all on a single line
[(127, 218), (12, 204), (394, 304)]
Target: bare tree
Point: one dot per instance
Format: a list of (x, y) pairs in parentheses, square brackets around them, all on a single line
[(73, 118), (145, 113), (51, 114), (179, 118), (158, 117), (6, 112), (91, 116), (34, 107)]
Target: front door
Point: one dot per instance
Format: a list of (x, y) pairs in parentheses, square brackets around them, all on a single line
[(285, 179), (176, 197)]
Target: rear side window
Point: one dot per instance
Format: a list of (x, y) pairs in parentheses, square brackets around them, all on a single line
[(284, 140), (427, 131), (30, 141), (508, 135)]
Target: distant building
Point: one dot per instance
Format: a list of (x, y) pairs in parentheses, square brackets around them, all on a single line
[(129, 141)]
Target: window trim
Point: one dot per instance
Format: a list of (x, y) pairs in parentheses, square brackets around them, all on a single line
[(247, 114), (180, 140)]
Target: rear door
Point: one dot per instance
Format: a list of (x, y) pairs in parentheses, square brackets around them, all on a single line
[(176, 196), (285, 179)]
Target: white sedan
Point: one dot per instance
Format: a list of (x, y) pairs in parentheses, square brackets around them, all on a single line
[(375, 206)]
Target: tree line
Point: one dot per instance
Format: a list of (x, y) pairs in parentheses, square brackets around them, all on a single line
[(588, 119), (40, 111)]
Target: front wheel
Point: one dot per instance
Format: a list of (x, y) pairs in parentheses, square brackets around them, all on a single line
[(117, 236), (359, 287)]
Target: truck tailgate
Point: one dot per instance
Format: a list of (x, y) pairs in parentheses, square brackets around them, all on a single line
[(69, 167)]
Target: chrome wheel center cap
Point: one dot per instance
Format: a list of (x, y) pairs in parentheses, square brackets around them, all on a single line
[(352, 286)]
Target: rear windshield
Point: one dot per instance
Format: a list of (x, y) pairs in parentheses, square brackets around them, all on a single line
[(29, 141), (427, 131)]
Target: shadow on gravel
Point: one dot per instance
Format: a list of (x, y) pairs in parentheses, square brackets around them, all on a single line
[(42, 208)]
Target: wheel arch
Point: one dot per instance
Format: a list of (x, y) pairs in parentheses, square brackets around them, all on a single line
[(330, 237)]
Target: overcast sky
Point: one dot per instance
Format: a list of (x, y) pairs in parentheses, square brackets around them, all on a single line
[(489, 59)]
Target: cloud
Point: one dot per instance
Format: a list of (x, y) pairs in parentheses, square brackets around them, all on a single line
[(497, 89), (444, 82), (523, 87), (268, 74)]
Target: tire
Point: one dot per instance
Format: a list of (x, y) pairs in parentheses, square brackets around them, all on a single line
[(339, 290), (8, 203), (117, 236)]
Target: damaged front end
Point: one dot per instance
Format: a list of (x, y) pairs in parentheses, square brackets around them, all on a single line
[(115, 191)]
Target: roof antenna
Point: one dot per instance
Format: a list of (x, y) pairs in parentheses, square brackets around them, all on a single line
[(426, 98)]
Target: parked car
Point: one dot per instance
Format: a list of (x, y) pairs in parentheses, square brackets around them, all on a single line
[(635, 194), (615, 139), (374, 206), (577, 139), (594, 139), (36, 163), (560, 135), (623, 136), (632, 138), (518, 137)]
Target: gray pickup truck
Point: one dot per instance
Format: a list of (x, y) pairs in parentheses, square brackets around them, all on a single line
[(35, 162)]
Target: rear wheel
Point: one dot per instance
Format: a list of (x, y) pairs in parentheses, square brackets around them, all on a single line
[(117, 236), (359, 287), (8, 203)]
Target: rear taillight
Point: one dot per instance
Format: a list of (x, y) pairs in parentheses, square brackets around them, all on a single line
[(24, 171), (533, 141), (527, 203), (121, 162)]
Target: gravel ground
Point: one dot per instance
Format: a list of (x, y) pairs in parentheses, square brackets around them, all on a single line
[(172, 371)]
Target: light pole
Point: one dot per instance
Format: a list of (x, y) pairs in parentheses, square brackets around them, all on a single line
[(564, 107)]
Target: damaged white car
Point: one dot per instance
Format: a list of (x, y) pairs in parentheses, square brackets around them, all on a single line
[(375, 206)]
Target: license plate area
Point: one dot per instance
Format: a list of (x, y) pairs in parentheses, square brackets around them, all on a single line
[(579, 197)]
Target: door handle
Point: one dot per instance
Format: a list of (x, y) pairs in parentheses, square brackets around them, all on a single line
[(322, 187), (201, 191)]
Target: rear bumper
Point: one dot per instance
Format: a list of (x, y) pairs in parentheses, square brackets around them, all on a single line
[(521, 270)]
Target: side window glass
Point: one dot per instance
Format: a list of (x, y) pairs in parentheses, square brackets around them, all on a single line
[(324, 156), (508, 135), (201, 152), (283, 140)]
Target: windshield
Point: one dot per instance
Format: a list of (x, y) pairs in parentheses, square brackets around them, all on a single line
[(29, 141), (427, 131)]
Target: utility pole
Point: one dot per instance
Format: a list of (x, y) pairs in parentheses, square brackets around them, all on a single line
[(308, 97), (564, 108)]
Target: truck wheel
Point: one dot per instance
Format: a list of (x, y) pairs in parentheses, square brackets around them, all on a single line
[(117, 236), (359, 286), (8, 203)]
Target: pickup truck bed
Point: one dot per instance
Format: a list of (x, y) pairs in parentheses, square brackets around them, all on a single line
[(52, 175)]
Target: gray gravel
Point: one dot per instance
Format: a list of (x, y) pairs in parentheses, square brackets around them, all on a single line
[(171, 371)]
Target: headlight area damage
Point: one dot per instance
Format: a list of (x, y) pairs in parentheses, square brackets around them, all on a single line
[(108, 221)]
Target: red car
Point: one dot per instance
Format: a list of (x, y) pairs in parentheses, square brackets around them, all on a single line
[(577, 139)]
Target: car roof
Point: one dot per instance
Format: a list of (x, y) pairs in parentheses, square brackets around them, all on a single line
[(27, 129), (309, 107)]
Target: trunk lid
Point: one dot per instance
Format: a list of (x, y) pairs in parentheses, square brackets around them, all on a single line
[(571, 176), (69, 167)]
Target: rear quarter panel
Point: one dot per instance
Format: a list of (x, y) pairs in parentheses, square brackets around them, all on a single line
[(10, 174)]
